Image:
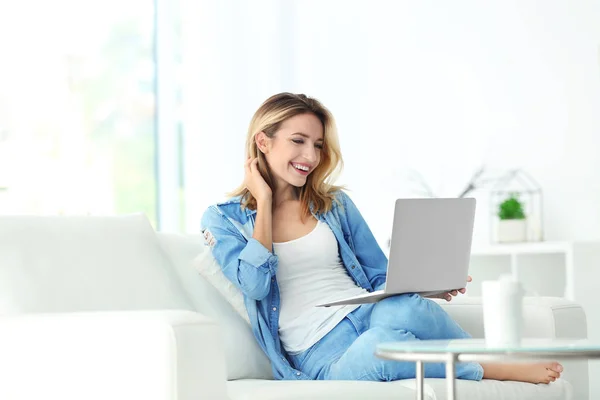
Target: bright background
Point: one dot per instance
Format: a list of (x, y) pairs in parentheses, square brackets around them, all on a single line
[(438, 88)]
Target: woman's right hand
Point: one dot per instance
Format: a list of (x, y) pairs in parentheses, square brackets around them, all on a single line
[(255, 182)]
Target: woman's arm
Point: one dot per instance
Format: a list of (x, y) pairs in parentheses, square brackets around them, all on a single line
[(263, 226), (248, 264), (367, 250)]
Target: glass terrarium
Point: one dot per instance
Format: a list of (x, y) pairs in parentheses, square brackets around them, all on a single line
[(516, 209)]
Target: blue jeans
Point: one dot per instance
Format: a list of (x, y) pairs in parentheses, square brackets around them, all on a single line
[(348, 351)]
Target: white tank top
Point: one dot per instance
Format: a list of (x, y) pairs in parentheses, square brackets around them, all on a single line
[(311, 272)]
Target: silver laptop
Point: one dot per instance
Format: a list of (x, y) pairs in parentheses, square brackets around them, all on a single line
[(430, 249)]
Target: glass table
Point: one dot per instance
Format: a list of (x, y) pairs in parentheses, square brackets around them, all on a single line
[(476, 350)]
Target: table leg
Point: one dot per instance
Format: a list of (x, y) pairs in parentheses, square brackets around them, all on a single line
[(419, 376), (451, 376)]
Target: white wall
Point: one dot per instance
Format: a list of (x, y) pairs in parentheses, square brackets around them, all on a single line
[(445, 87), (437, 87)]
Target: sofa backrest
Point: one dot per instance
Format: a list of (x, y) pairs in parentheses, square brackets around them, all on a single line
[(79, 263), (244, 358), (69, 264)]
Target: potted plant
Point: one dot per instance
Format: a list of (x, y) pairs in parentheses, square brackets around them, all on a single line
[(512, 226)]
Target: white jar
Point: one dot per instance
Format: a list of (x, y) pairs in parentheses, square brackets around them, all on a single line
[(502, 311)]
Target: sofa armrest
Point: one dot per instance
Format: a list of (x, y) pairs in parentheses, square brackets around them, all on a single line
[(151, 355), (544, 317)]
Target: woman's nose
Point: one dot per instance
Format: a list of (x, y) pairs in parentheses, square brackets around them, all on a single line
[(310, 154)]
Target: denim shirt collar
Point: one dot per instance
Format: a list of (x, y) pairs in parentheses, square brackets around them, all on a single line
[(249, 212)]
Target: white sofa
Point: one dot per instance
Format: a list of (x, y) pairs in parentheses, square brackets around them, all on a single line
[(105, 308)]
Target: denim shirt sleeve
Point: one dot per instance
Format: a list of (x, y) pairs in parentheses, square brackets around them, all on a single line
[(366, 249), (246, 263)]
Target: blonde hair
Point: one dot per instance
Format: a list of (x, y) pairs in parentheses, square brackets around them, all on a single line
[(318, 192)]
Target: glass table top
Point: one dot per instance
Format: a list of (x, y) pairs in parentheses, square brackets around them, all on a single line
[(466, 346)]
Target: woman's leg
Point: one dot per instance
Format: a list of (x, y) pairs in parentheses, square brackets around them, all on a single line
[(348, 353), (426, 319), (317, 359), (359, 362)]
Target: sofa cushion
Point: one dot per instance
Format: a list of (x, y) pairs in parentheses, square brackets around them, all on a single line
[(248, 389), (209, 268), (489, 389), (244, 358), (435, 389), (68, 263)]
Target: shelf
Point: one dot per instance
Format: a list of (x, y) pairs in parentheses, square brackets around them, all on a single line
[(522, 248)]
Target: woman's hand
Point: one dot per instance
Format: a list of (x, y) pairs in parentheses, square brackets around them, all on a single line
[(255, 182), (448, 295)]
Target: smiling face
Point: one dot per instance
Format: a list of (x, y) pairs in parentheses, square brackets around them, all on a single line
[(294, 137), (294, 151)]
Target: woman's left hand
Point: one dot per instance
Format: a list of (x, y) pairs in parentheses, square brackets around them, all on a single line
[(448, 295)]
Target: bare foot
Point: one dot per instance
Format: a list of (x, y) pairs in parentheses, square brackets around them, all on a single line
[(544, 372)]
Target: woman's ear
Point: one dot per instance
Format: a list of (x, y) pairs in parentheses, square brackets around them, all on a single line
[(262, 142)]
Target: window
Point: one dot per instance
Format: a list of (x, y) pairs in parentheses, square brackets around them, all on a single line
[(77, 107)]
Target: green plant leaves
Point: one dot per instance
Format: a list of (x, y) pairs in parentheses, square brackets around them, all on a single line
[(511, 208)]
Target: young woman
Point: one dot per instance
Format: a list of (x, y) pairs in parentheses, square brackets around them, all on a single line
[(289, 239)]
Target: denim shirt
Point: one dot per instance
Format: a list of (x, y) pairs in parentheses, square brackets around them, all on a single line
[(252, 268)]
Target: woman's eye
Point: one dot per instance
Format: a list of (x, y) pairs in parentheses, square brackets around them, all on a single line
[(301, 141)]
